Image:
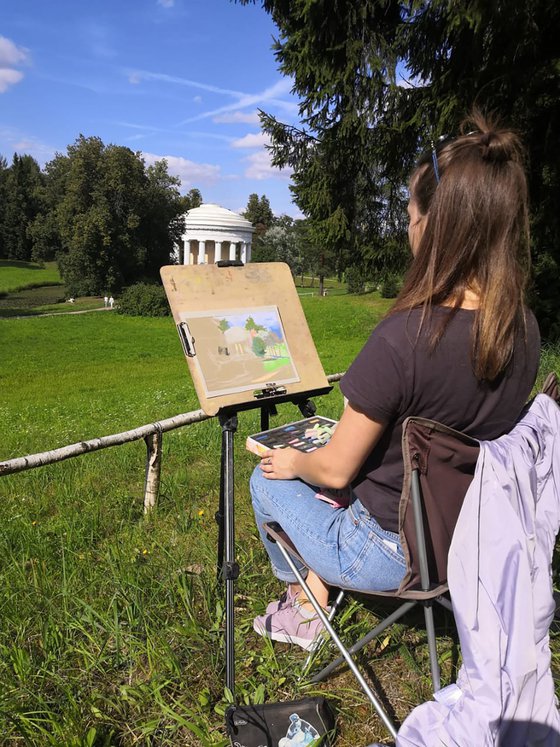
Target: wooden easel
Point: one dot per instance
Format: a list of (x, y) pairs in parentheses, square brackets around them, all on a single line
[(199, 295)]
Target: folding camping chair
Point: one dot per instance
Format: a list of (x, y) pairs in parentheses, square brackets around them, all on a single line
[(439, 464)]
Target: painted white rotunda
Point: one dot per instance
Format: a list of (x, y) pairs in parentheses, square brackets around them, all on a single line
[(213, 233)]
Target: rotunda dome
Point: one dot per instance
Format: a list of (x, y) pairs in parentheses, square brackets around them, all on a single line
[(215, 216), (212, 233)]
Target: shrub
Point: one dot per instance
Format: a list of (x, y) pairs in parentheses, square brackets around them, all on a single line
[(390, 287), (143, 299), (356, 280)]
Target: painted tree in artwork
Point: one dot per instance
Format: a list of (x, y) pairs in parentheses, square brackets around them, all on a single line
[(250, 324), (259, 348), (223, 324)]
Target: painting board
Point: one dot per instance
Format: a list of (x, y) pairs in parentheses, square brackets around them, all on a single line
[(238, 350), (243, 333)]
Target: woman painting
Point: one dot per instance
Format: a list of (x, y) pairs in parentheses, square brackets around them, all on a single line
[(459, 346)]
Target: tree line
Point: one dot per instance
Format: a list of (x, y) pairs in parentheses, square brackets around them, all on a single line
[(104, 216), (110, 221), (293, 241), (379, 80)]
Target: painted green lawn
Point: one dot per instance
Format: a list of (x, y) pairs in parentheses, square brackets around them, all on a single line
[(111, 623)]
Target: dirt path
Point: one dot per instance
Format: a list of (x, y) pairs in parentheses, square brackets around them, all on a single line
[(82, 311), (57, 313)]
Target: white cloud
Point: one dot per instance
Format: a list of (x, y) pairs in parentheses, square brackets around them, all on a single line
[(271, 95), (252, 140), (13, 141), (134, 79), (259, 163), (260, 167), (9, 77), (166, 3), (11, 54), (140, 75), (237, 117), (245, 100), (190, 173), (197, 99)]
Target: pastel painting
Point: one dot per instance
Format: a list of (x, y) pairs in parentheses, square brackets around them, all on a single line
[(240, 349)]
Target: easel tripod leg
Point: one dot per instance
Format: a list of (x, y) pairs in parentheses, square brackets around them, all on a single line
[(226, 550)]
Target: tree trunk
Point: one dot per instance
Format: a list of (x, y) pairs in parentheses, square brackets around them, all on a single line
[(321, 285)]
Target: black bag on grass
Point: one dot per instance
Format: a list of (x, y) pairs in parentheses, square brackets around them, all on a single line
[(297, 723)]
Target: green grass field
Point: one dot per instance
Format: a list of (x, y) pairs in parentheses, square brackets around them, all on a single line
[(111, 623), (16, 275), (28, 289)]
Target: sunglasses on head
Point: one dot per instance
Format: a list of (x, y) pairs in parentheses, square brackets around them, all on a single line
[(441, 141)]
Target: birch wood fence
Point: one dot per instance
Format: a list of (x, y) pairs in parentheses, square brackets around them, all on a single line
[(152, 434)]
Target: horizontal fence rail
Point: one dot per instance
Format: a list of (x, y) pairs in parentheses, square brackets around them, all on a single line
[(152, 434)]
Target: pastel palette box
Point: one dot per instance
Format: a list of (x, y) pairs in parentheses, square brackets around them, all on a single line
[(306, 435)]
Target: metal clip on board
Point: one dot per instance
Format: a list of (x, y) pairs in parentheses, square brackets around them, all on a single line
[(187, 340)]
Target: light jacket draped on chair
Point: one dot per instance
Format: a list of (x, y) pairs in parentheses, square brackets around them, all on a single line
[(501, 585)]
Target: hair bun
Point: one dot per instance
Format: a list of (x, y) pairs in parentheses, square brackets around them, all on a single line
[(494, 147), (497, 145)]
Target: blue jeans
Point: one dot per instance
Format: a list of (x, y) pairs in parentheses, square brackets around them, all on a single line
[(345, 546)]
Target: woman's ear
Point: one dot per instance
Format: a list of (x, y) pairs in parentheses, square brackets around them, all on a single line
[(416, 226)]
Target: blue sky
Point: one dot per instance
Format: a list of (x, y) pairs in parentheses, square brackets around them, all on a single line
[(174, 79)]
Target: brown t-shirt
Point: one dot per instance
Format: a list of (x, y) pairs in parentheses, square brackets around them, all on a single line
[(396, 376)]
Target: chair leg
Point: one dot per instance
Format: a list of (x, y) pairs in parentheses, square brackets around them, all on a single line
[(445, 603), (320, 641), (432, 646), (326, 622), (359, 645)]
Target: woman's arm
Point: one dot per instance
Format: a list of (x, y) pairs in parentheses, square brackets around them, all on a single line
[(334, 465)]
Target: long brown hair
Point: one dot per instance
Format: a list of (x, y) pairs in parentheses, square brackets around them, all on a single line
[(476, 236)]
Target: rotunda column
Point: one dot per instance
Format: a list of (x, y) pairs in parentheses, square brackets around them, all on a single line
[(217, 251), (201, 252), (249, 248), (244, 252), (186, 252), (232, 249)]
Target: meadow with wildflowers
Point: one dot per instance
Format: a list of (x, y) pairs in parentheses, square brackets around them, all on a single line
[(111, 630)]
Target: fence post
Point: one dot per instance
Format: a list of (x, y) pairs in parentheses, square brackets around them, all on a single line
[(154, 443)]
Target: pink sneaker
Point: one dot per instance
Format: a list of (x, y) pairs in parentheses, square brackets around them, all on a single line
[(285, 600), (290, 624)]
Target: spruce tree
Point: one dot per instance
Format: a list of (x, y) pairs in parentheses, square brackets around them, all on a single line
[(360, 130)]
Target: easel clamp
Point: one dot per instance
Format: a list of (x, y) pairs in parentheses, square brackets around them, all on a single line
[(187, 340), (230, 570), (270, 390)]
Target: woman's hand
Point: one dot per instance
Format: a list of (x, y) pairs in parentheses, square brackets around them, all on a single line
[(334, 465), (279, 464)]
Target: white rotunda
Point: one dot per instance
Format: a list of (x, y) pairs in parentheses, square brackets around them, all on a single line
[(213, 233)]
